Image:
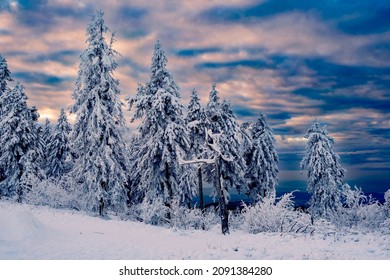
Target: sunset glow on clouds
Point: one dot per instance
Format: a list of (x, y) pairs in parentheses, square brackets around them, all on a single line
[(293, 60)]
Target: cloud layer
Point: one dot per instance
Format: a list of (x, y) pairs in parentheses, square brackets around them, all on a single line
[(294, 61)]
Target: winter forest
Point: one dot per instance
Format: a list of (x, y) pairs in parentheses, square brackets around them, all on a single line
[(158, 174)]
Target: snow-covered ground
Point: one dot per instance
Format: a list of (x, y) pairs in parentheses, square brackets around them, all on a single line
[(30, 232)]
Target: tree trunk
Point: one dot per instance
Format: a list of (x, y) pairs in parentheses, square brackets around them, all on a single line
[(200, 185), (170, 191), (101, 206), (223, 211), (168, 182), (101, 200), (19, 190)]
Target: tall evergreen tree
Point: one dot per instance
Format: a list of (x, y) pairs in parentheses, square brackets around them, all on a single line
[(163, 137), (223, 140), (325, 175), (222, 121), (197, 123), (5, 75), (46, 132), (233, 172), (58, 148), (262, 160), (100, 155), (19, 152), (197, 126)]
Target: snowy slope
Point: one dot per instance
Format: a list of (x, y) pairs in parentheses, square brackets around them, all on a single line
[(30, 232)]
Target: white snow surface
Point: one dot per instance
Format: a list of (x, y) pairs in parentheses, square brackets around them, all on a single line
[(32, 232)]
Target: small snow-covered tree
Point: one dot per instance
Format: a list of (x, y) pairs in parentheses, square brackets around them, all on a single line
[(58, 148), (325, 174), (262, 160), (163, 137), (101, 166), (19, 149), (197, 125)]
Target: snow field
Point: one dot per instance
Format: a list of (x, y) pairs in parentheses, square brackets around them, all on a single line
[(31, 232)]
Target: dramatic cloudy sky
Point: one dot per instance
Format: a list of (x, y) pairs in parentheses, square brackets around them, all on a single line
[(293, 60)]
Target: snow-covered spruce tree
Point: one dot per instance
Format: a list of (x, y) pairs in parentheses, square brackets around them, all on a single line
[(246, 137), (19, 149), (163, 137), (58, 148), (262, 160), (100, 156), (46, 132), (224, 146), (197, 124), (5, 75), (325, 175), (222, 121), (233, 172)]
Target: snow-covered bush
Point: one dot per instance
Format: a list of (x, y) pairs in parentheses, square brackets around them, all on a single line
[(354, 200), (150, 212), (54, 193), (360, 211), (185, 218), (191, 218), (386, 205), (176, 216), (324, 228), (371, 215), (210, 218), (274, 215), (385, 226), (236, 219)]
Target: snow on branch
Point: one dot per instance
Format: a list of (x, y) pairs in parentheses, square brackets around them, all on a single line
[(196, 161), (215, 145)]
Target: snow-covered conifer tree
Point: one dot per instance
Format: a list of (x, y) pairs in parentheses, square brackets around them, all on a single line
[(221, 120), (197, 125), (262, 160), (325, 175), (163, 137), (223, 141), (97, 145), (5, 75), (19, 152), (58, 148), (46, 132), (232, 172)]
